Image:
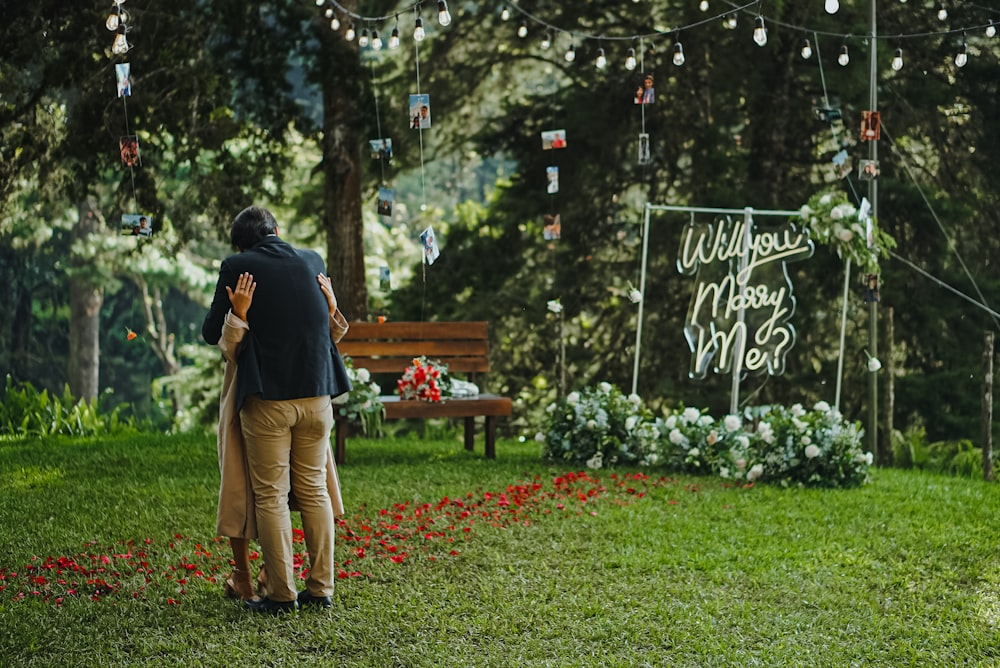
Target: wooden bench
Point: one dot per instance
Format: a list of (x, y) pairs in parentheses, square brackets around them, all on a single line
[(390, 348)]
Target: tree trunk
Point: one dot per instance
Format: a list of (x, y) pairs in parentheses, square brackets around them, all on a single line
[(342, 141), (85, 310)]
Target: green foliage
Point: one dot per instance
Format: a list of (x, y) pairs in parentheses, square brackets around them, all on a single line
[(26, 412), (784, 446), (362, 403)]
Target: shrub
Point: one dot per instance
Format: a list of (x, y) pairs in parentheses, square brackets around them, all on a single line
[(27, 412)]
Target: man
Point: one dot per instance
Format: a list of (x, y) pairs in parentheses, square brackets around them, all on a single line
[(288, 370)]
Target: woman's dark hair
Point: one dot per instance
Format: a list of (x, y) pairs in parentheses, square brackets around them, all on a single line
[(250, 226)]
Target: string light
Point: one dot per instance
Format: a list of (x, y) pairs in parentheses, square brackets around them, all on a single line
[(601, 61), (328, 13), (729, 21), (547, 40), (991, 30), (571, 53), (376, 41), (806, 50), (363, 40), (522, 30), (832, 6), (351, 33), (678, 58), (120, 45), (759, 31), (444, 16), (394, 38), (319, 3), (505, 13), (703, 5), (962, 57), (630, 60), (335, 23), (844, 58), (897, 60), (942, 13), (418, 30)]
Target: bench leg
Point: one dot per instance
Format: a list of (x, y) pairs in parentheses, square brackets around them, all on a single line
[(491, 437), (470, 432), (341, 438)]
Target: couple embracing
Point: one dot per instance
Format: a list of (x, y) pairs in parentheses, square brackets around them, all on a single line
[(275, 317)]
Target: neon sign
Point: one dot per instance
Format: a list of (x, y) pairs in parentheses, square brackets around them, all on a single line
[(742, 301)]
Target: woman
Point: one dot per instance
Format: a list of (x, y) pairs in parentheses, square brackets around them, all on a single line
[(236, 511)]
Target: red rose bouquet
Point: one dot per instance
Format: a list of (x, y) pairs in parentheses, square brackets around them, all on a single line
[(425, 379)]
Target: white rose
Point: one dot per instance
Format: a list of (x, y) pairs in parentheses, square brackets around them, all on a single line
[(630, 422), (573, 398), (690, 415), (705, 420), (554, 306), (756, 471), (596, 462), (591, 424), (634, 399), (671, 422), (363, 375), (812, 452), (676, 437), (694, 452), (797, 410), (732, 422), (605, 387), (822, 406), (376, 388)]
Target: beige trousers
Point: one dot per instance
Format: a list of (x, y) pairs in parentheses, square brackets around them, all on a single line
[(286, 446)]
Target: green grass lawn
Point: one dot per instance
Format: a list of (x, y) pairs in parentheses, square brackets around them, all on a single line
[(521, 565)]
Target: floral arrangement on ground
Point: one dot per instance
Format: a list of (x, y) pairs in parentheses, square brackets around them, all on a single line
[(601, 426)]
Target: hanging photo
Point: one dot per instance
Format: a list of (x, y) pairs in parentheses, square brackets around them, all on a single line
[(552, 179), (553, 139), (381, 149), (552, 226), (868, 170), (871, 288), (383, 279), (129, 147), (123, 75), (643, 148), (871, 126), (385, 199), (420, 111), (842, 163), (137, 225), (644, 92), (429, 242)]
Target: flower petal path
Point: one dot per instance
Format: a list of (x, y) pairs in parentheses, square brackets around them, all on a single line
[(148, 569)]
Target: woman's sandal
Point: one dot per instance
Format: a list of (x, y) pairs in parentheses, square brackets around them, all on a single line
[(239, 585)]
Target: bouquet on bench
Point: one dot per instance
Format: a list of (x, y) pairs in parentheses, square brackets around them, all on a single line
[(424, 379)]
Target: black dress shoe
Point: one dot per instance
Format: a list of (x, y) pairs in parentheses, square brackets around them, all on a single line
[(305, 598), (267, 606)]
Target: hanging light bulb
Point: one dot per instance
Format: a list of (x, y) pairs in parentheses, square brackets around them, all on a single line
[(729, 21), (991, 30), (444, 16), (844, 58), (363, 41), (942, 13), (897, 60), (547, 41), (418, 30), (522, 30), (807, 50), (394, 39), (678, 58), (703, 5), (120, 45), (351, 33), (630, 60), (376, 41), (319, 3), (601, 62), (112, 22), (334, 23), (832, 6), (962, 57), (759, 32), (505, 13), (328, 13), (571, 53)]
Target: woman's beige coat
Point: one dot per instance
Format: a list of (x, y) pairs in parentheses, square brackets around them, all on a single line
[(237, 514)]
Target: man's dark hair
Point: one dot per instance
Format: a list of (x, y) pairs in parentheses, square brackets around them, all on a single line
[(250, 226)]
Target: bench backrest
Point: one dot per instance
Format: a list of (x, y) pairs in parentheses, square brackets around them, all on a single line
[(390, 347)]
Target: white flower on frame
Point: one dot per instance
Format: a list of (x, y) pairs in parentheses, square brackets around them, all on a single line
[(634, 399), (732, 422), (812, 452), (605, 387), (630, 422), (554, 306), (690, 415), (694, 452), (676, 437), (822, 406), (363, 375)]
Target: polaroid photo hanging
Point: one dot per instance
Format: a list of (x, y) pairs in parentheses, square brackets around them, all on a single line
[(381, 149), (137, 225), (552, 226), (386, 196), (644, 91), (842, 163), (420, 111), (643, 148), (871, 126), (868, 170), (553, 139), (429, 242), (552, 179), (123, 77), (128, 146)]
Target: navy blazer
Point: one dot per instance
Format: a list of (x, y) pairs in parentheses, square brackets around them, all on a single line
[(288, 353)]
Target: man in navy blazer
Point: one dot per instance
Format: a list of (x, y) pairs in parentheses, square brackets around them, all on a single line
[(288, 370)]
